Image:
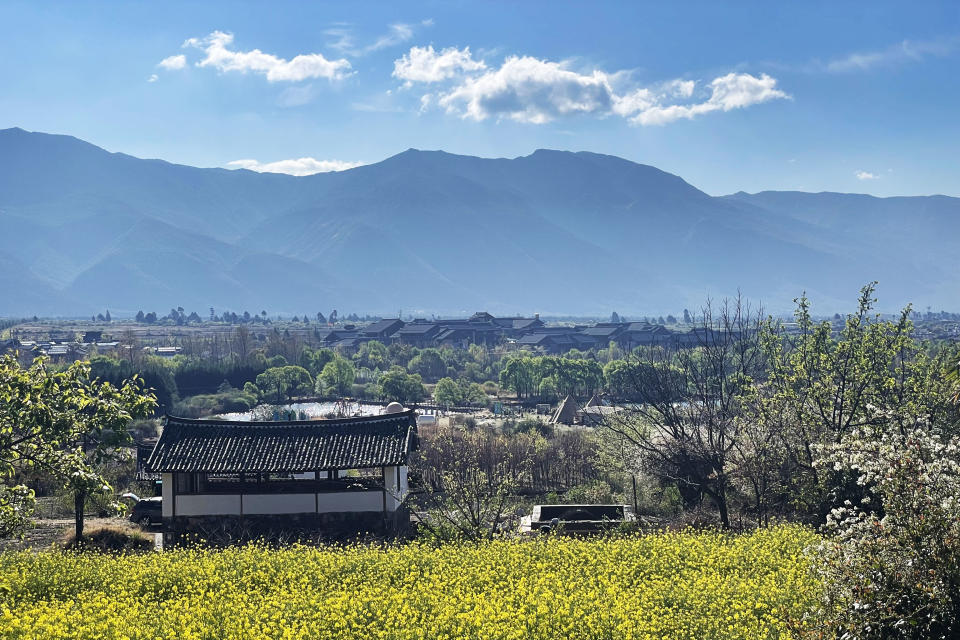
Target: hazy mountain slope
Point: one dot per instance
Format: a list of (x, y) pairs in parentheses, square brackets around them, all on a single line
[(593, 230), (423, 222), (53, 179), (554, 231), (22, 293), (909, 244)]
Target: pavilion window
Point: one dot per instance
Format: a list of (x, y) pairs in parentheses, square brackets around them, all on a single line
[(366, 472), (185, 483)]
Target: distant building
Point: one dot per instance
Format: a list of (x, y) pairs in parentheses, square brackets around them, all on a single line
[(643, 334), (605, 332), (419, 333), (383, 330)]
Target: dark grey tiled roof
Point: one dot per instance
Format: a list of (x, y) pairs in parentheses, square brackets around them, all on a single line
[(223, 446), (417, 328), (388, 327)]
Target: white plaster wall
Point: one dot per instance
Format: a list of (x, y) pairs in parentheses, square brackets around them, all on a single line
[(208, 505), (279, 503), (166, 490), (393, 489), (254, 504), (404, 485), (350, 501)]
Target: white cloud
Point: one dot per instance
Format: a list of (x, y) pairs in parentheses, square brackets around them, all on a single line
[(530, 90), (732, 91), (423, 64), (344, 39), (300, 67), (681, 88), (397, 33), (153, 78), (425, 101), (635, 101), (865, 175), (900, 53), (173, 63), (738, 90), (527, 89), (294, 166)]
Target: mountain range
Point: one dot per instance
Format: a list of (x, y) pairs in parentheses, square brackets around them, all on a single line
[(83, 230)]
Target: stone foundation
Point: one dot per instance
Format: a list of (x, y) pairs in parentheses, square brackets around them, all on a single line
[(285, 528)]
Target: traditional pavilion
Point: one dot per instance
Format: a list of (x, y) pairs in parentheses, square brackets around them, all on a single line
[(343, 474)]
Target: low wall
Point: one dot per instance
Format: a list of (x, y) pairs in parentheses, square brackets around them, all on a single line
[(284, 528)]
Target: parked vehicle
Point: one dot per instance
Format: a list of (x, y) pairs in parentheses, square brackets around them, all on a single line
[(576, 518), (148, 511)]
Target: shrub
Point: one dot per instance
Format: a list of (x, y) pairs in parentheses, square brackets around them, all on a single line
[(597, 492), (111, 539), (892, 563)]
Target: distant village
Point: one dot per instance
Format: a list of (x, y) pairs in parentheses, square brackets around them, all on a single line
[(521, 333), (63, 342), (482, 328)]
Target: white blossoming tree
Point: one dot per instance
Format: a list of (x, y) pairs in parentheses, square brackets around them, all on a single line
[(892, 561)]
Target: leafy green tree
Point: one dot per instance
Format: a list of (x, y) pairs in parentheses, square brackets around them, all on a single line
[(618, 375), (471, 393), (519, 373), (314, 360), (429, 364), (372, 355), (156, 373), (548, 389), (62, 423), (821, 387), (397, 385), (337, 376), (285, 382), (447, 393)]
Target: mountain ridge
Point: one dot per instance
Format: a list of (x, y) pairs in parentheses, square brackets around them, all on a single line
[(552, 231)]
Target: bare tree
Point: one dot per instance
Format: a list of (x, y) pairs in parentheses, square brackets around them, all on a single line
[(685, 420), (472, 481), (241, 342)]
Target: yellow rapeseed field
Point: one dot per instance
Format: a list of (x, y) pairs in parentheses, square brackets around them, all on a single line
[(671, 585)]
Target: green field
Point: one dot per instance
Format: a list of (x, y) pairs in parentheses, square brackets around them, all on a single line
[(671, 585)]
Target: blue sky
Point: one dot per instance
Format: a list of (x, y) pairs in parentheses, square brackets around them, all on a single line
[(840, 96)]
